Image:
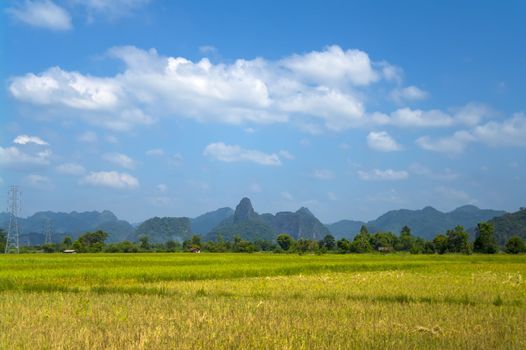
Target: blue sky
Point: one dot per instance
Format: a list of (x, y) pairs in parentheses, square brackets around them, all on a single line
[(175, 108)]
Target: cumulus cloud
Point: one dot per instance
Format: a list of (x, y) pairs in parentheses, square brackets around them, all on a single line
[(472, 113), (333, 66), (111, 9), (43, 14), (322, 86), (120, 159), (25, 139), (70, 169), (234, 153), (406, 117), (162, 188), (111, 179), (14, 157), (382, 141), (454, 144), (409, 93), (510, 132), (381, 175)]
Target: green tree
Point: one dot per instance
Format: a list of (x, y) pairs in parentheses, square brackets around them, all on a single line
[(361, 244), (328, 242), (440, 244), (485, 241), (172, 246), (384, 241), (91, 242), (457, 240), (344, 245), (285, 241), (3, 239), (406, 240), (67, 242), (144, 243), (515, 245), (429, 248)]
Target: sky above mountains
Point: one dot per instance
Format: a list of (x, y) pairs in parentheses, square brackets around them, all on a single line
[(175, 108)]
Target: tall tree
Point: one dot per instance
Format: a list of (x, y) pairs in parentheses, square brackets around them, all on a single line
[(285, 241), (457, 240), (485, 241)]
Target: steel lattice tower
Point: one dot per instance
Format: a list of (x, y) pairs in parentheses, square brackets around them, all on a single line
[(13, 231), (48, 231)]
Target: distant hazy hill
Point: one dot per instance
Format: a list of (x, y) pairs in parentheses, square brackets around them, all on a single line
[(160, 230), (206, 222), (345, 228), (425, 223), (299, 224), (74, 224), (508, 225), (249, 225)]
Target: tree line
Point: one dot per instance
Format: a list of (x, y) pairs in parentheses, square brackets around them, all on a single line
[(453, 241)]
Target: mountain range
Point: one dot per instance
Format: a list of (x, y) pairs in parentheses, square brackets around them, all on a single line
[(425, 223), (245, 222)]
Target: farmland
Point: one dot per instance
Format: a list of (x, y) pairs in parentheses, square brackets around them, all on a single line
[(267, 301)]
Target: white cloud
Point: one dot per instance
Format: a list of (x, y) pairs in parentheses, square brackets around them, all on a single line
[(43, 14), (38, 181), (120, 159), (472, 113), (234, 153), (88, 137), (388, 174), (70, 169), (111, 8), (382, 141), (322, 174), (317, 88), (409, 93), (14, 157), (406, 117), (25, 139), (510, 132), (333, 66), (156, 152), (111, 179), (454, 144), (162, 188)]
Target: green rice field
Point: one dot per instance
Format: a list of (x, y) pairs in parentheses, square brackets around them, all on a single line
[(262, 301)]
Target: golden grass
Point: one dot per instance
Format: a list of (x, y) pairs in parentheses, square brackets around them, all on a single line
[(260, 301)]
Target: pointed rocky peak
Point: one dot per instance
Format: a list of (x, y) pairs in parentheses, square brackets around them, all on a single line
[(244, 211), (304, 211)]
